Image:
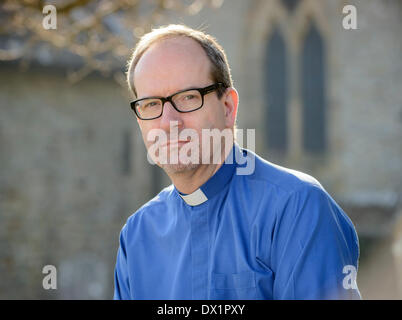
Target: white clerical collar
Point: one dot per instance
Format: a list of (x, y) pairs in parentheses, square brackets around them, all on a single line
[(216, 183), (194, 199)]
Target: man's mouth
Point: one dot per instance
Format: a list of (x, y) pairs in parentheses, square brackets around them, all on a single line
[(174, 143)]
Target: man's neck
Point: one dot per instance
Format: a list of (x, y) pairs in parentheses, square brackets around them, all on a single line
[(189, 181)]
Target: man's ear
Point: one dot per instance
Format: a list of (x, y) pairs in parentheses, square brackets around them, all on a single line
[(231, 101)]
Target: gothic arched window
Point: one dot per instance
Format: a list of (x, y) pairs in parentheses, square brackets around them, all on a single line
[(312, 81), (277, 93), (290, 4)]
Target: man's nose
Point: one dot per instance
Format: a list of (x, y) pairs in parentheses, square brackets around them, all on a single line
[(169, 114)]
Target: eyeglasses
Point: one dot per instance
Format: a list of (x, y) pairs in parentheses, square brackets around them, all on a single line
[(183, 101)]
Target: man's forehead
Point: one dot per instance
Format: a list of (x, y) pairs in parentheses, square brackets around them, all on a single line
[(171, 64)]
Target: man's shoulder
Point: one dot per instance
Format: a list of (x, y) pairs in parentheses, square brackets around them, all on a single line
[(294, 190), (154, 206), (283, 179)]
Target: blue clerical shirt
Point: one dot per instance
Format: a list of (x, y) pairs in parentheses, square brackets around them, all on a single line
[(272, 234)]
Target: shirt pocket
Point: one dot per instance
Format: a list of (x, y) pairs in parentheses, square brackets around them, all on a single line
[(233, 286)]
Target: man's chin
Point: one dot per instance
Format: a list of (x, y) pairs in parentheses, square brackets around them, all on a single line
[(178, 168)]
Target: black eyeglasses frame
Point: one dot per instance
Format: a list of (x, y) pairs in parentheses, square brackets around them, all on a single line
[(202, 91)]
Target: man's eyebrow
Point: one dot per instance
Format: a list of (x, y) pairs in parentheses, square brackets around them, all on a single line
[(159, 96)]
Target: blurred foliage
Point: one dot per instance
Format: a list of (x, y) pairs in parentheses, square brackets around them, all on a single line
[(100, 33)]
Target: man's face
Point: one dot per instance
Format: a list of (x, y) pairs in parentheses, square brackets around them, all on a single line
[(170, 66)]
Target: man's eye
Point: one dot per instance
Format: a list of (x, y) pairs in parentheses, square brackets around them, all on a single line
[(151, 104), (189, 97)]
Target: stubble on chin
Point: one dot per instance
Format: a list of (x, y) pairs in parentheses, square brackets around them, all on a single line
[(204, 157), (178, 168)]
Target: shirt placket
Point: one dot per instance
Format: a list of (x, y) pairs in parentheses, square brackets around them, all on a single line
[(199, 251)]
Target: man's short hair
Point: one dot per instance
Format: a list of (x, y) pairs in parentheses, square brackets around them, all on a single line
[(220, 70)]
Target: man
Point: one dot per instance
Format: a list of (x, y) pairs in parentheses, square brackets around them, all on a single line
[(272, 233)]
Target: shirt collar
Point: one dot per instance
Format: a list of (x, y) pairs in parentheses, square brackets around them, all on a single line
[(215, 184)]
